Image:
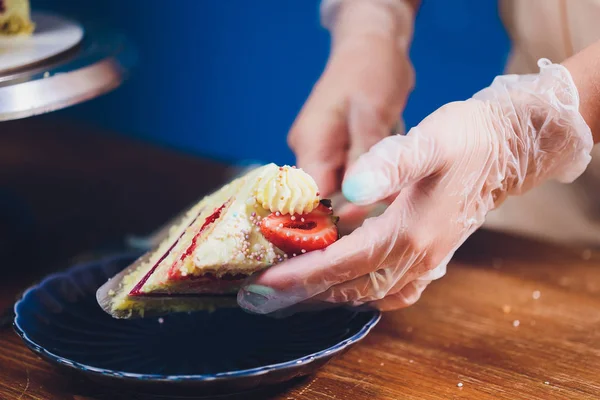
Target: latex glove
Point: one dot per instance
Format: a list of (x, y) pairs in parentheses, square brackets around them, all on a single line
[(362, 91), (445, 175)]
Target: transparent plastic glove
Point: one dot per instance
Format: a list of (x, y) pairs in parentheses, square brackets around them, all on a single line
[(444, 176), (360, 96)]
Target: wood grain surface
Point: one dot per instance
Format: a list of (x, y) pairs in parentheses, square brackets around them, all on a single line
[(512, 319)]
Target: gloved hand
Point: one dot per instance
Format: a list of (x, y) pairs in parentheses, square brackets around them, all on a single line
[(361, 94), (444, 176)]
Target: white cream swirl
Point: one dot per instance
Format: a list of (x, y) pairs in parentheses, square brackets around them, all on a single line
[(287, 190)]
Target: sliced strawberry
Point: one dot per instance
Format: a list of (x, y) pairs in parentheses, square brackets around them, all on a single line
[(297, 234)]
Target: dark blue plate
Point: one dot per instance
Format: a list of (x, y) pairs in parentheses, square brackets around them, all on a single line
[(225, 351)]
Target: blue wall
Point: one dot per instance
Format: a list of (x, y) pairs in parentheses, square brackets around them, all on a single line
[(214, 73)]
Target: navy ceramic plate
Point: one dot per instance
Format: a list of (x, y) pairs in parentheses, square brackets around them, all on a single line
[(221, 352)]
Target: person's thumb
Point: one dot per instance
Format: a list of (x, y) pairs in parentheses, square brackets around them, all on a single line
[(390, 165)]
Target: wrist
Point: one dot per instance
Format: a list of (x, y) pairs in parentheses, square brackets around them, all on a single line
[(584, 68), (367, 19), (561, 137), (541, 133)]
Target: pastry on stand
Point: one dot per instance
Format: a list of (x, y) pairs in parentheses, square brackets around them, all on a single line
[(15, 18)]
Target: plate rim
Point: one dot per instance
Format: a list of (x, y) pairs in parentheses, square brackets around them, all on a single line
[(219, 376)]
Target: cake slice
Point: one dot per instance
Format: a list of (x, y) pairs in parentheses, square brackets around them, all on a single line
[(15, 17), (254, 222)]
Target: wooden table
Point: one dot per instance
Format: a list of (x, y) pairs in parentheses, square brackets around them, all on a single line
[(512, 319)]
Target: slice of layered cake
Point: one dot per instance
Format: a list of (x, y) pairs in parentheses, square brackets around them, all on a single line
[(254, 222), (15, 17)]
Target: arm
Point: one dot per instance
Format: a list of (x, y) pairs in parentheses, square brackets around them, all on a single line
[(361, 94), (585, 70), (355, 18), (445, 175)]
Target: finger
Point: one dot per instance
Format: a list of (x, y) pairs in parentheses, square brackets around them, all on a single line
[(373, 286), (392, 164), (406, 297), (371, 118), (300, 278), (319, 137), (396, 299), (324, 163), (384, 282), (326, 175), (381, 86)]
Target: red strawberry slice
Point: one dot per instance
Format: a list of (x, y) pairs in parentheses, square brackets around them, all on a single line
[(301, 233)]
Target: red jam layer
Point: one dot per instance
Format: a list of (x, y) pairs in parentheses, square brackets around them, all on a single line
[(202, 285), (174, 271), (136, 291)]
